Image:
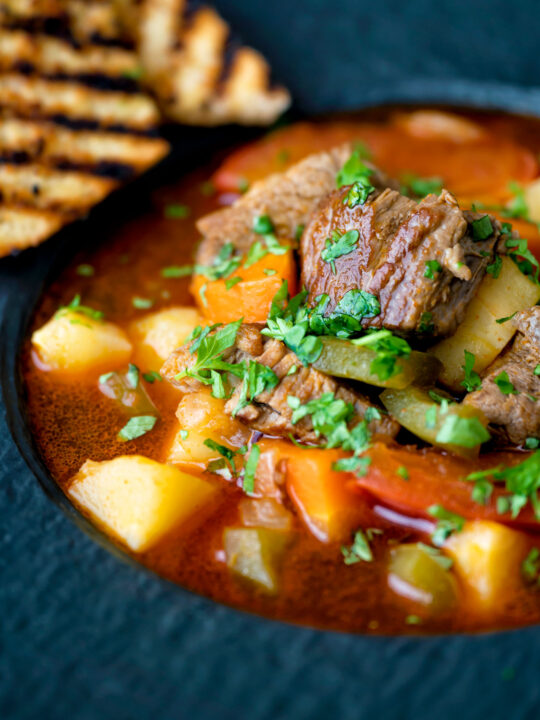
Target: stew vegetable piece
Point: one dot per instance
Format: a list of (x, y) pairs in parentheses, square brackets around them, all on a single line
[(314, 393)]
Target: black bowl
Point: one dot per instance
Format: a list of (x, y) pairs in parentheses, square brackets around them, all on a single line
[(322, 657)]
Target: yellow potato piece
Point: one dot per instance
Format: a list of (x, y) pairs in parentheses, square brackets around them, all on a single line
[(479, 333), (487, 560), (255, 554), (136, 499), (73, 342), (156, 335), (203, 417)]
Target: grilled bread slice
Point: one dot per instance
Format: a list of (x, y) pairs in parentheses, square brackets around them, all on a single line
[(198, 72), (73, 122)]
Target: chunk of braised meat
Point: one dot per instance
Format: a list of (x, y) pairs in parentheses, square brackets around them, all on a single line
[(270, 412), (420, 259), (288, 198), (517, 410)]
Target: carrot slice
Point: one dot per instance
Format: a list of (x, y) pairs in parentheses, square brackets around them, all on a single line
[(433, 479), (252, 294)]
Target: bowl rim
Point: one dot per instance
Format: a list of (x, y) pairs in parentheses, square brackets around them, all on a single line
[(48, 260)]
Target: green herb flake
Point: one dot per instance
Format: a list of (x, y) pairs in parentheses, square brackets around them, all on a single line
[(263, 225), (472, 379), (530, 567), (104, 379), (251, 469), (403, 472), (482, 228), (536, 370), (243, 185), (283, 156), (532, 443), (502, 381), (447, 524), (359, 551), (176, 271), (133, 376), (413, 620), (176, 211), (141, 303), (339, 245), (137, 427), (413, 185), (434, 552), (231, 282), (432, 267), (518, 250), (269, 272), (354, 170), (494, 268), (208, 188), (298, 232), (465, 432), (358, 193), (76, 307), (134, 73), (184, 434), (431, 418), (85, 270), (152, 376), (502, 320), (426, 325)]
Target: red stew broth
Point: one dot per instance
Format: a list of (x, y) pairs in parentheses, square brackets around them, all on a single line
[(74, 421)]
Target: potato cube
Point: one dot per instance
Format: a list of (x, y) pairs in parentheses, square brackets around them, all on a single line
[(487, 559), (255, 554), (72, 342), (203, 417), (480, 333), (136, 499), (156, 335)]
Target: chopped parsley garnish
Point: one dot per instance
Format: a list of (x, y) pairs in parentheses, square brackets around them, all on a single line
[(357, 465), (412, 184), (263, 225), (176, 211), (134, 73), (231, 282), (403, 472), (494, 268), (518, 250), (85, 270), (447, 524), (532, 443), (522, 482), (339, 245), (354, 170), (251, 468), (243, 185), (530, 567), (537, 370), (502, 381), (465, 432), (269, 271), (472, 379), (152, 376), (432, 267), (177, 271), (76, 307), (184, 434), (426, 325), (502, 320), (413, 620), (256, 379), (137, 427), (298, 232), (283, 156), (141, 303), (224, 264), (389, 349), (346, 318), (482, 228), (358, 193), (517, 207), (209, 364), (226, 453), (360, 550), (431, 418)]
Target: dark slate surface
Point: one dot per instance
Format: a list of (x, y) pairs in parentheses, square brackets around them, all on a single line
[(84, 636)]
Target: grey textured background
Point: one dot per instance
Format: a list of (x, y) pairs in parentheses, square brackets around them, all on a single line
[(85, 637)]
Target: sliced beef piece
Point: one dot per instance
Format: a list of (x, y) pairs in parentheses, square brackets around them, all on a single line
[(271, 413), (518, 415), (288, 198), (397, 237)]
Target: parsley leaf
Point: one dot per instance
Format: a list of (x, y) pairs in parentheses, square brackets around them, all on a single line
[(354, 169), (447, 523), (257, 378), (482, 228), (537, 370), (263, 225), (76, 307), (85, 270), (357, 465), (136, 427), (152, 376), (530, 567), (426, 325), (177, 211), (359, 550), (472, 379), (502, 381), (141, 303), (176, 271), (432, 267), (412, 184), (224, 264), (251, 468), (339, 245), (465, 432), (494, 268), (403, 472), (518, 250)]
